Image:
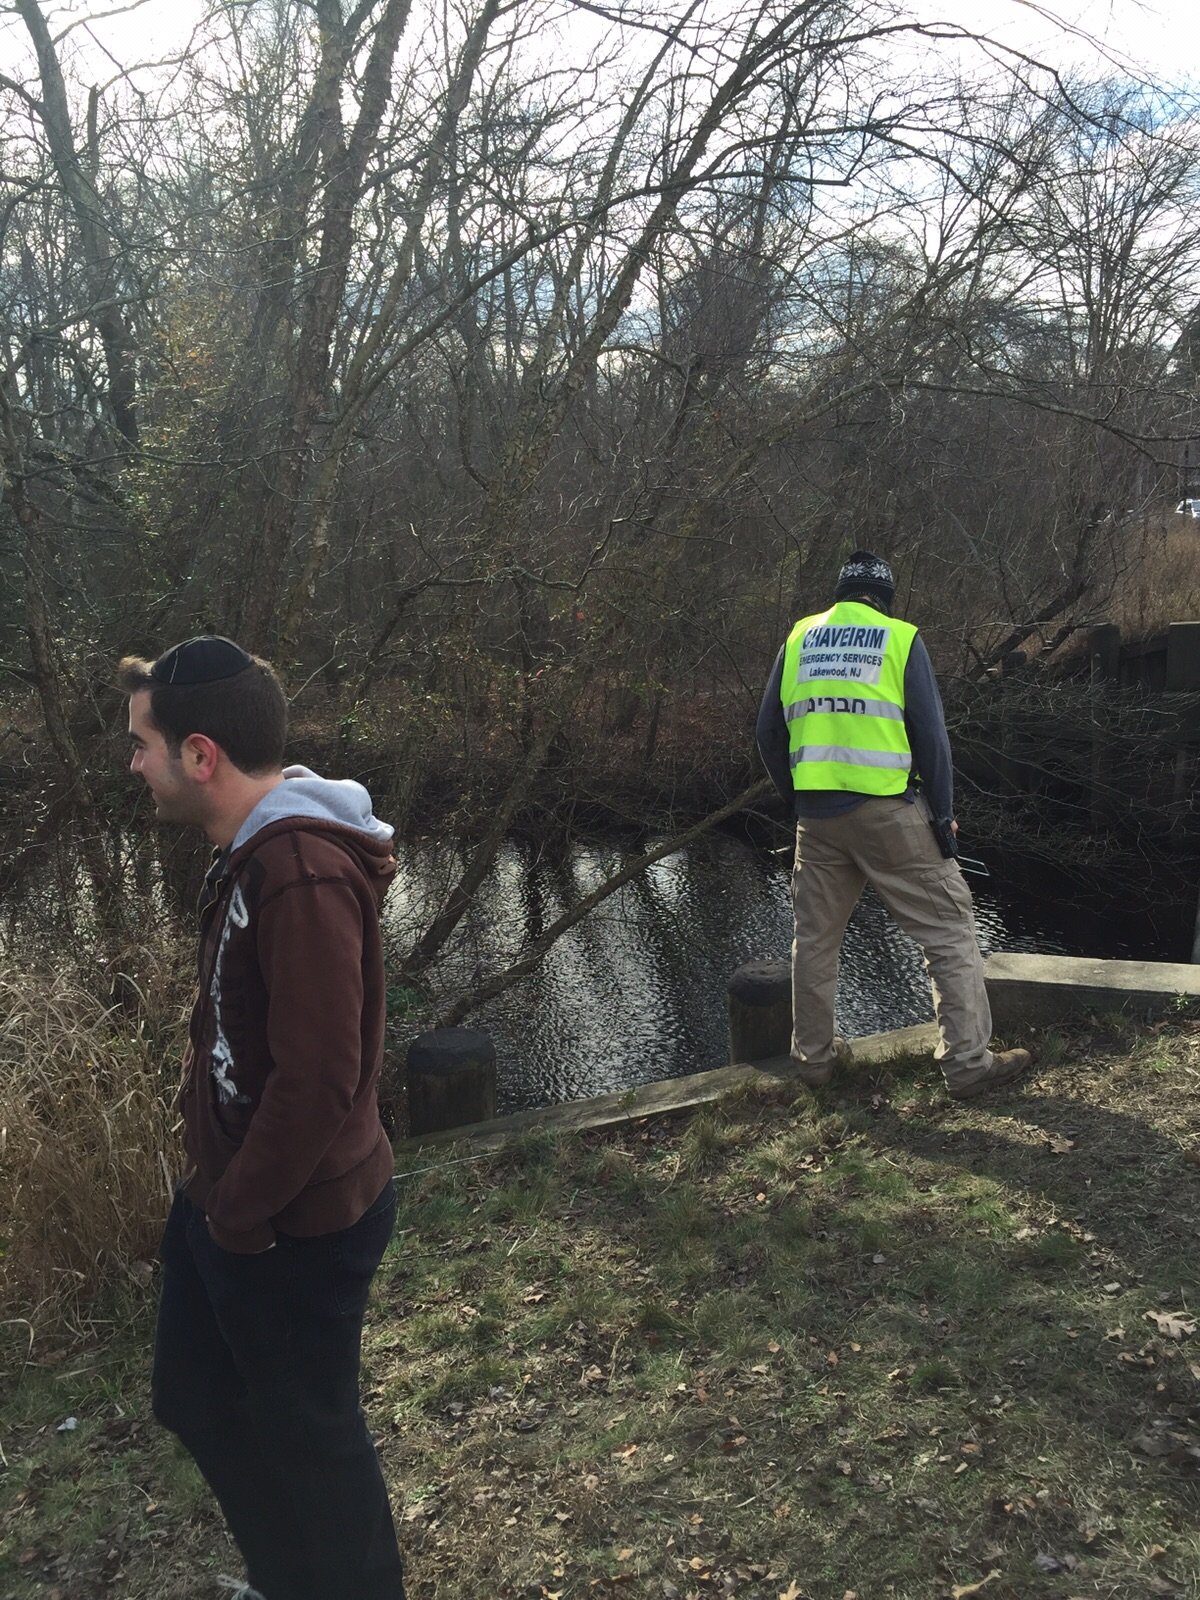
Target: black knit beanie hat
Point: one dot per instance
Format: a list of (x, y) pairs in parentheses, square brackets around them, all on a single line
[(865, 573)]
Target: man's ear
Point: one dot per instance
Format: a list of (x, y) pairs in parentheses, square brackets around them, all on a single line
[(200, 756)]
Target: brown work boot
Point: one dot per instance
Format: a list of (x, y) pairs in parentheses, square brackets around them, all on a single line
[(1006, 1065), (818, 1075)]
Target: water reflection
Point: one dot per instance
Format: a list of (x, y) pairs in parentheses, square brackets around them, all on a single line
[(636, 991)]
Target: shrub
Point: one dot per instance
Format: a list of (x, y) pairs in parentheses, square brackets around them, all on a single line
[(87, 1154)]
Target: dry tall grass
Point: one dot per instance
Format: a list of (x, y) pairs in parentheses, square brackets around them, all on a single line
[(87, 1153), (1161, 583)]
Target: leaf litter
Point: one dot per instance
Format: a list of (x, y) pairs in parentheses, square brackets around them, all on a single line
[(643, 1380)]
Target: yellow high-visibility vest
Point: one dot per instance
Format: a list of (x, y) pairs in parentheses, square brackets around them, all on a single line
[(843, 699)]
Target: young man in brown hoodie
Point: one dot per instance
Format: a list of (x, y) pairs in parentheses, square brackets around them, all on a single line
[(287, 1202)]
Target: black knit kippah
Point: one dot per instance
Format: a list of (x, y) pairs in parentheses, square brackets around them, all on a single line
[(865, 571), (206, 659)]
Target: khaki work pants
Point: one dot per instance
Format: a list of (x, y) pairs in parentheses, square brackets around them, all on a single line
[(887, 842)]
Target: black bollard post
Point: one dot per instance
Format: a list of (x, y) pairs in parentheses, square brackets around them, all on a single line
[(760, 1011), (451, 1079)]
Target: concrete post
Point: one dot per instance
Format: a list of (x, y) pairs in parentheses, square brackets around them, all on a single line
[(451, 1079), (1183, 677), (1183, 658), (1104, 644), (1104, 648), (760, 1011)]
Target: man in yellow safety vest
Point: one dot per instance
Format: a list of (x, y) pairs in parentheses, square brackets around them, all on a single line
[(851, 729)]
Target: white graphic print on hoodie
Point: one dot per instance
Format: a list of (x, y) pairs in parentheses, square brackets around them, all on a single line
[(303, 794)]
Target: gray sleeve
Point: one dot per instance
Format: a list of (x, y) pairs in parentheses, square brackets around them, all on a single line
[(772, 735), (925, 723)]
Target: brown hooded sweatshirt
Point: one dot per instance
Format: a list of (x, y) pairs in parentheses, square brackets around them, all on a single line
[(280, 1085)]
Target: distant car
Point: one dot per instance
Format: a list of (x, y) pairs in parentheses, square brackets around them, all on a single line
[(1189, 508)]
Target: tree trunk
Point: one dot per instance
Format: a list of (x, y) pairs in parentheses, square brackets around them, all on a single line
[(43, 653), (520, 969), (98, 245), (485, 853)]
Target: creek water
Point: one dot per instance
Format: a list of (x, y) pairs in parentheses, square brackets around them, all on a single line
[(637, 990)]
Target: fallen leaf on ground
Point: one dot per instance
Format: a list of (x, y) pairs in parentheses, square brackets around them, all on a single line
[(792, 1592), (1060, 1146), (960, 1591), (1172, 1324), (1152, 1444)]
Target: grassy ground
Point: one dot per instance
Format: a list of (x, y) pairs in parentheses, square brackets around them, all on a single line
[(868, 1343)]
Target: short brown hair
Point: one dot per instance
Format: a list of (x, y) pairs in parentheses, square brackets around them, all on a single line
[(246, 714)]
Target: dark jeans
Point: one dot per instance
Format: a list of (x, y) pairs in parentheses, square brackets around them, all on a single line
[(256, 1369)]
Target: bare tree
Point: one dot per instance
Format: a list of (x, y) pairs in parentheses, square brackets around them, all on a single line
[(101, 250), (535, 363)]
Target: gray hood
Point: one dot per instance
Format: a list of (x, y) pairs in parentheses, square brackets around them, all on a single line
[(304, 794)]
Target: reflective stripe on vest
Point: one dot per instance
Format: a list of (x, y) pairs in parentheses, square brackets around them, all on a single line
[(855, 758), (843, 700), (869, 708)]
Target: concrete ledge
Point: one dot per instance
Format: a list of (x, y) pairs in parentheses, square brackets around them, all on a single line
[(874, 1048), (1035, 991), (670, 1097), (1025, 992)]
